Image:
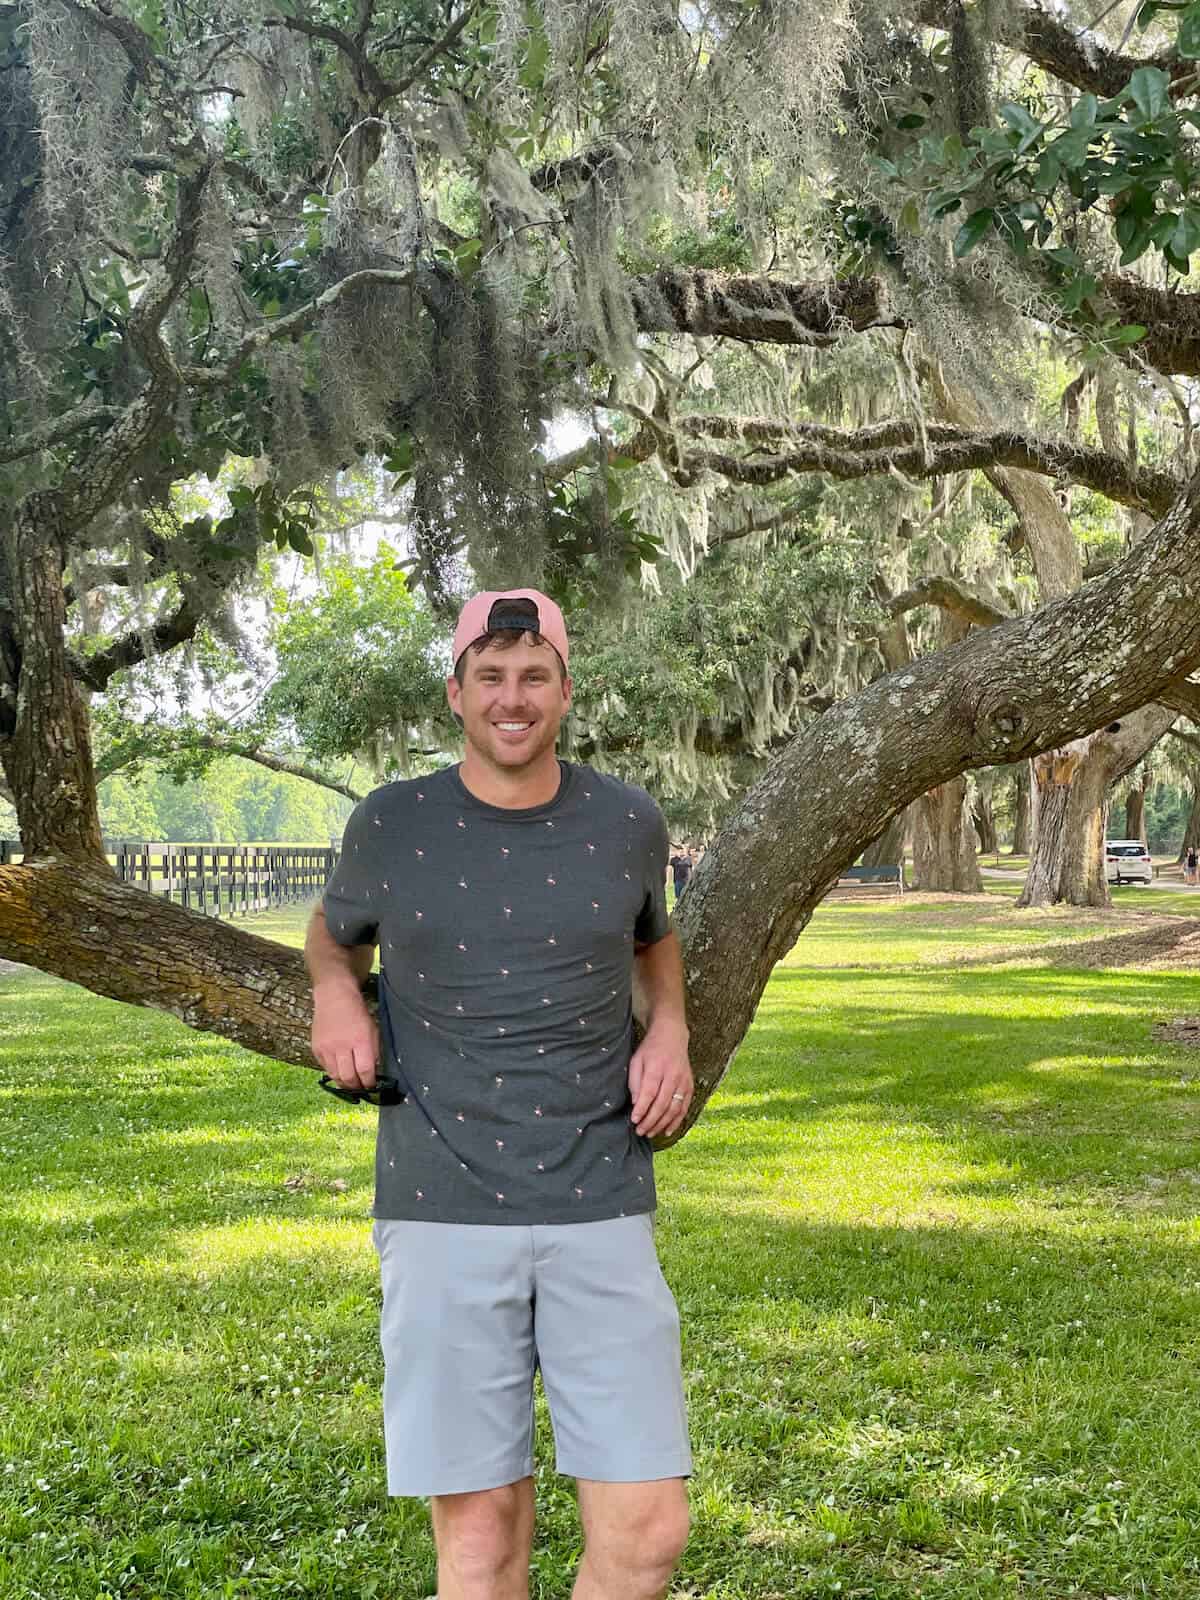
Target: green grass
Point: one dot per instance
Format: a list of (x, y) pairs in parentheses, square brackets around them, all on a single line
[(934, 1245)]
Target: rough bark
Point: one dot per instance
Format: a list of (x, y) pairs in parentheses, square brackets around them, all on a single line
[(45, 743), (117, 940), (888, 849), (1076, 55), (1070, 795), (1135, 810), (943, 848), (816, 311), (1022, 840), (695, 300), (984, 819), (943, 839)]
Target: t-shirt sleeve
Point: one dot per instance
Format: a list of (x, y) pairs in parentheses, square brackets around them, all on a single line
[(350, 915), (653, 922)]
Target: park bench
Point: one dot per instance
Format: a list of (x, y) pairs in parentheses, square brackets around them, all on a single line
[(868, 882)]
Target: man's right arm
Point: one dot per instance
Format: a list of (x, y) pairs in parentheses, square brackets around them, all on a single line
[(345, 1038)]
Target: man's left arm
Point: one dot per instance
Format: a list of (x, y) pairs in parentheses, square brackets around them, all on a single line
[(660, 1079)]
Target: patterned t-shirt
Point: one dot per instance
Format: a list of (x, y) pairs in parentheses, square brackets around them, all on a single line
[(506, 944)]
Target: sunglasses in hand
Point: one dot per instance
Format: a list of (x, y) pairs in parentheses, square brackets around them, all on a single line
[(387, 1092)]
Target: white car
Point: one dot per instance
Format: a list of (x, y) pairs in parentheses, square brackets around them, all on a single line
[(1127, 861)]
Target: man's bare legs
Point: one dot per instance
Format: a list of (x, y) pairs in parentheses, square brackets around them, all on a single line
[(634, 1535), (484, 1542)]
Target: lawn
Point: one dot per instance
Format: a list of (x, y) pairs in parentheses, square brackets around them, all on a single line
[(934, 1245)]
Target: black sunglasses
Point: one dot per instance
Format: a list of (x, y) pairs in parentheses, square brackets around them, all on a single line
[(387, 1092)]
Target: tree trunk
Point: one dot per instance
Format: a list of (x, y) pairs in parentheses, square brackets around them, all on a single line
[(888, 849), (1070, 797), (1022, 840), (1001, 695), (1191, 834), (1135, 809), (45, 742), (983, 816), (943, 841)]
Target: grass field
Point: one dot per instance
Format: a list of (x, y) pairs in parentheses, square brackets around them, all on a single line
[(934, 1245)]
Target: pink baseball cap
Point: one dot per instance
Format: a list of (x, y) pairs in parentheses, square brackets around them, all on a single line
[(510, 611)]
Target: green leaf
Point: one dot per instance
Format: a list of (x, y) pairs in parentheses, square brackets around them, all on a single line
[(1019, 118), (1083, 112), (1129, 334), (1188, 42), (910, 217), (400, 459), (1148, 90), (972, 230), (1186, 237), (1138, 244), (911, 119)]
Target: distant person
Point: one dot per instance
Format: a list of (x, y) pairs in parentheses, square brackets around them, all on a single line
[(681, 865), (1190, 864)]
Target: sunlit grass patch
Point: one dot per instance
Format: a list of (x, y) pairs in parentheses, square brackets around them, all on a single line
[(934, 1244)]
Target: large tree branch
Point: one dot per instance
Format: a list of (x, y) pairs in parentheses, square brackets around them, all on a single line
[(895, 445), (1001, 695), (951, 596), (1181, 694), (164, 743), (1171, 343), (1074, 55), (293, 324), (137, 645), (818, 310), (101, 473), (867, 452), (694, 300), (377, 89), (89, 414)]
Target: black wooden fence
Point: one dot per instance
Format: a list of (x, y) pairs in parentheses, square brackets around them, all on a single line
[(224, 880)]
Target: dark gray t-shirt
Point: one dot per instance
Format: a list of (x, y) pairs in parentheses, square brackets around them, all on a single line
[(506, 943)]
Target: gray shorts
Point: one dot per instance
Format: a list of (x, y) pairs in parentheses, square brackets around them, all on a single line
[(471, 1311)]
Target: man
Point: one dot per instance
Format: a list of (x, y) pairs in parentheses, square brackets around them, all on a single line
[(513, 897), (681, 864)]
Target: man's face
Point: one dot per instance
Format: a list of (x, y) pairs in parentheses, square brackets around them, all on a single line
[(512, 700)]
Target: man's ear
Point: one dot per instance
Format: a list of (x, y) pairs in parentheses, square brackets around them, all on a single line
[(454, 694), (568, 689)]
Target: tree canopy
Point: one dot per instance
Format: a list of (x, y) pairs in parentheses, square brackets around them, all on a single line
[(874, 326)]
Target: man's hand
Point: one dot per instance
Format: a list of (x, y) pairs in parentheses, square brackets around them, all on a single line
[(660, 1080), (345, 1038)]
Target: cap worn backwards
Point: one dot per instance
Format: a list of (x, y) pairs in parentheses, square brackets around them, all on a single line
[(510, 611)]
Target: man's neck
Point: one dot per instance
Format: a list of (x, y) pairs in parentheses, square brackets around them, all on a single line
[(518, 790)]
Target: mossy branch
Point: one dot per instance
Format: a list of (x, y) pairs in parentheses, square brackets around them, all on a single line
[(895, 447)]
